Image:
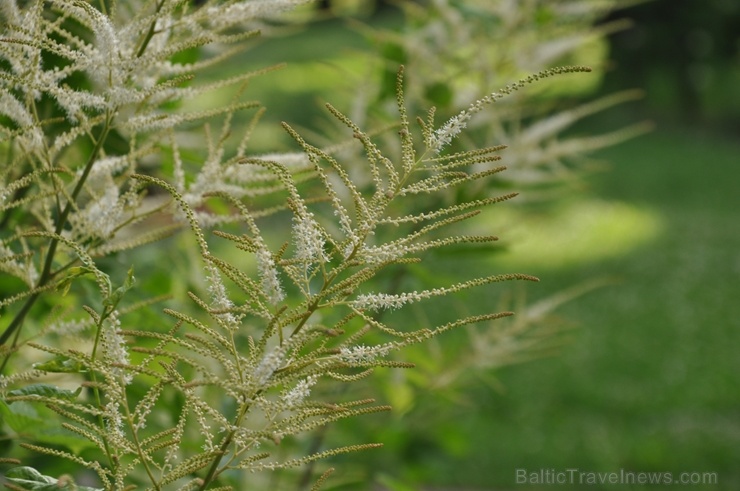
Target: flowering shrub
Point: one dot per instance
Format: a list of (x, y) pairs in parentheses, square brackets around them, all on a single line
[(100, 159)]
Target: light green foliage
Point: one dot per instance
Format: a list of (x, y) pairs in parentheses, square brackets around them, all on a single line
[(455, 51), (99, 159)]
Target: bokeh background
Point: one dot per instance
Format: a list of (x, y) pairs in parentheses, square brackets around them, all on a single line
[(647, 378)]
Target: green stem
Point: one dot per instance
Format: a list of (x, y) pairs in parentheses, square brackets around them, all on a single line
[(211, 475), (96, 391), (150, 33), (46, 273), (213, 470), (310, 309), (139, 450)]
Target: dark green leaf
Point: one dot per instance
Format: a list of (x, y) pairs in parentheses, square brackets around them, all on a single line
[(20, 418), (46, 390), (39, 424)]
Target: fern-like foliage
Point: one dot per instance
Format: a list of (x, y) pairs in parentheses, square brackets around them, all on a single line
[(91, 125), (300, 324), (89, 96)]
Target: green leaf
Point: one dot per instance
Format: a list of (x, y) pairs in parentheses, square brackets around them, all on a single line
[(46, 390), (72, 274), (544, 16), (32, 480), (112, 301), (37, 423), (29, 478), (21, 418), (61, 364), (186, 56)]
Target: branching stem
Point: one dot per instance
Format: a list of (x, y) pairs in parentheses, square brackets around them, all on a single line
[(46, 273)]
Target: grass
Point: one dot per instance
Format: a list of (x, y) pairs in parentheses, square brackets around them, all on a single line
[(649, 381), (325, 62)]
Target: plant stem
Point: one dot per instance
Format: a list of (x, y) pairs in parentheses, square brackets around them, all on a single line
[(213, 470), (139, 450), (46, 273), (96, 391), (150, 32)]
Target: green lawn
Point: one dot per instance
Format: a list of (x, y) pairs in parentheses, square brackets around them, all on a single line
[(649, 381)]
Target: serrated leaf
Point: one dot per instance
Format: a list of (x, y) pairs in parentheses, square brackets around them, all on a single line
[(46, 390), (20, 418), (32, 480), (28, 478)]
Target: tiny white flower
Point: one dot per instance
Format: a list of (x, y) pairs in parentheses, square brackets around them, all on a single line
[(444, 135), (299, 393), (377, 301), (364, 354), (219, 298), (308, 240), (267, 366), (269, 277), (114, 347), (384, 253), (21, 269)]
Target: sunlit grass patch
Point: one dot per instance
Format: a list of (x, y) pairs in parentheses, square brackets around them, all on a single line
[(581, 231)]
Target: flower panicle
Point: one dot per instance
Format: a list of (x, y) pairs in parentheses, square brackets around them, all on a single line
[(444, 135)]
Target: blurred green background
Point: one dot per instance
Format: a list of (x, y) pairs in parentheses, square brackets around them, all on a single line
[(648, 378)]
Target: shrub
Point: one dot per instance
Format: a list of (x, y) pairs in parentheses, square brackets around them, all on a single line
[(101, 162)]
